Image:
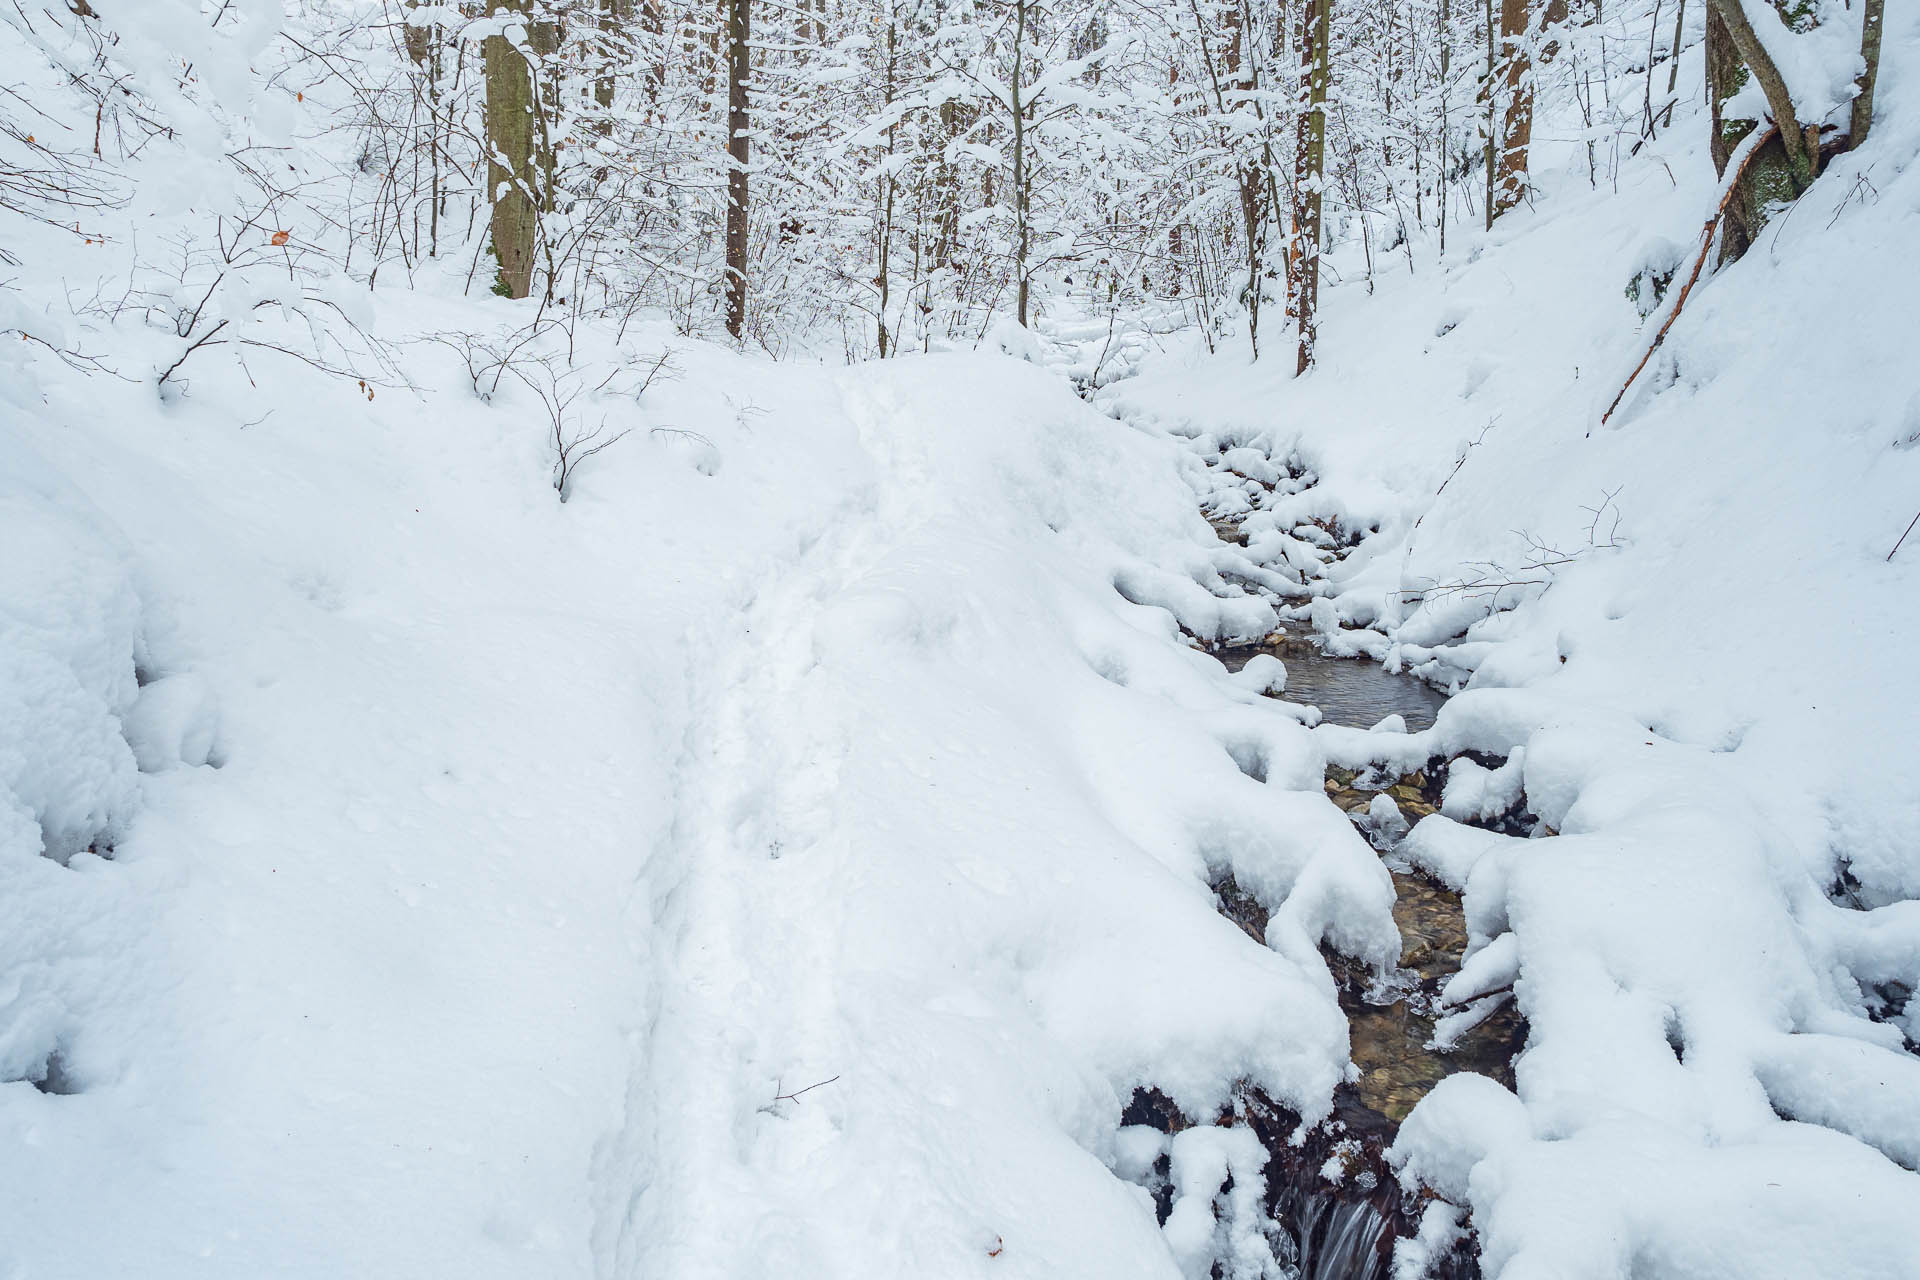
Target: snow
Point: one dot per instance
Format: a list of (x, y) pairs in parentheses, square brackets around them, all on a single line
[(789, 855), (1684, 639), (516, 888), (1219, 1164)]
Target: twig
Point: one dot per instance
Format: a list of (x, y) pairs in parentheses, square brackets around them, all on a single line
[(795, 1095), (199, 342), (1903, 537)]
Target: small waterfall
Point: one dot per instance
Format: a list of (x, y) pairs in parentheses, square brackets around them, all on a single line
[(1335, 1236), (1343, 1240)]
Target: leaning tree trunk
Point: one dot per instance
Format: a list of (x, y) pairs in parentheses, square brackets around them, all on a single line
[(1516, 125), (739, 67), (1785, 166), (1309, 172), (512, 179)]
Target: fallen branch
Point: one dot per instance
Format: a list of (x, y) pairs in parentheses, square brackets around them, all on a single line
[(779, 1097), (1736, 168), (1903, 537)]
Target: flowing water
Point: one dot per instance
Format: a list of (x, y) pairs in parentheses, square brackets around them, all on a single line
[(1348, 691), (1343, 1227), (1345, 1231)]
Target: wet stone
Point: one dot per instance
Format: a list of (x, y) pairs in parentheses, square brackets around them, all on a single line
[(1391, 1023), (1241, 907)]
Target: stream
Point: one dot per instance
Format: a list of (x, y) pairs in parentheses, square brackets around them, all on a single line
[(1345, 1230), (1348, 691), (1333, 1205), (1343, 1227)]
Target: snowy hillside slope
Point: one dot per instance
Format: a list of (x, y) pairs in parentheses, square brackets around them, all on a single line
[(788, 855), (471, 874), (410, 874), (1687, 624)]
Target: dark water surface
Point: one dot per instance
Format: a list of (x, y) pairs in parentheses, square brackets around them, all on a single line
[(1348, 691)]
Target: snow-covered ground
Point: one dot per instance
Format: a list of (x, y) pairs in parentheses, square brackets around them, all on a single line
[(1685, 629), (788, 855), (472, 874)]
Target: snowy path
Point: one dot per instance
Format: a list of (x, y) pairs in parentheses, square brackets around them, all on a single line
[(951, 809), (485, 871)]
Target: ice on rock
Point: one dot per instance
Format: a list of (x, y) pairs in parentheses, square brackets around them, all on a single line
[(1487, 969), (1385, 818)]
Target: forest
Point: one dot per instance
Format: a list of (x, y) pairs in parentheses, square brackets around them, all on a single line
[(1181, 639)]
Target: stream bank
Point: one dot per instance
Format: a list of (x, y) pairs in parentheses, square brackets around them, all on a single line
[(1335, 1207)]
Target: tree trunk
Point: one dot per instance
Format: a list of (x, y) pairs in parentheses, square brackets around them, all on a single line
[(1516, 125), (545, 39), (1309, 172), (1492, 142), (417, 39), (1862, 121), (1783, 167), (512, 181), (1021, 176), (1446, 81), (739, 66), (883, 280), (610, 19)]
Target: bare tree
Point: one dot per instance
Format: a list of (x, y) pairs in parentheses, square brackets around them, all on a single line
[(1310, 167), (1508, 181), (739, 119), (513, 170)]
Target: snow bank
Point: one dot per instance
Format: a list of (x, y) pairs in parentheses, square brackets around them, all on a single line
[(818, 813), (955, 806), (1685, 638)]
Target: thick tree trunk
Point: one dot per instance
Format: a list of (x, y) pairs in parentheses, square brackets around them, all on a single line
[(1310, 167), (611, 18), (1516, 125), (739, 67), (1871, 19), (512, 180), (1784, 166)]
